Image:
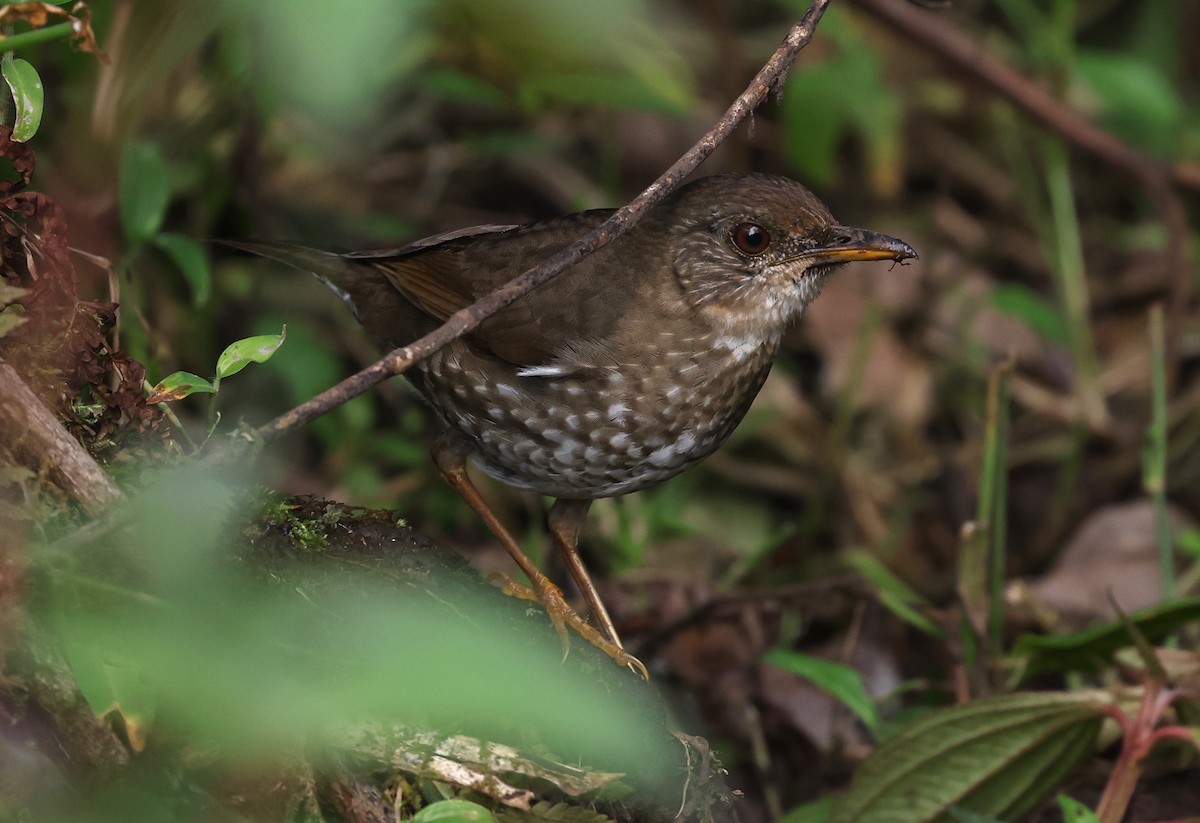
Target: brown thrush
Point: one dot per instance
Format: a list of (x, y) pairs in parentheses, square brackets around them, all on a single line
[(627, 369)]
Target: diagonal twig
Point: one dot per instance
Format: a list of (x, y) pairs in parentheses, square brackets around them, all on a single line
[(769, 76)]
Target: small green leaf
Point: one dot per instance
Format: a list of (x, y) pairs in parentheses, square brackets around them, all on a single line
[(996, 757), (178, 386), (841, 682), (1075, 812), (145, 190), (189, 258), (1035, 311), (454, 811), (28, 95), (894, 594), (257, 349)]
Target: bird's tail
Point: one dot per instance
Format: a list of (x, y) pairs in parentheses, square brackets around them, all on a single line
[(389, 318)]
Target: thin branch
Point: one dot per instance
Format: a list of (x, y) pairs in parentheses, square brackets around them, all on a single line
[(464, 320), (43, 444)]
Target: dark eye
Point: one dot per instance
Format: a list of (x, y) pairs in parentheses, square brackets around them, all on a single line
[(751, 238)]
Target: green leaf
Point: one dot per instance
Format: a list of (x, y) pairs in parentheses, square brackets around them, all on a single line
[(110, 682), (995, 757), (963, 816), (1075, 812), (1137, 101), (841, 682), (453, 811), (145, 190), (178, 386), (1082, 650), (815, 811), (28, 96), (452, 84), (894, 594), (242, 353), (844, 96), (189, 258), (1035, 311)]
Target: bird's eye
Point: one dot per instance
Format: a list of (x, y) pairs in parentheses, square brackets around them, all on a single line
[(750, 238)]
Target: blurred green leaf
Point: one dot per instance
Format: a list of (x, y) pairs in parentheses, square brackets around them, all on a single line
[(816, 811), (240, 354), (332, 65), (1136, 100), (453, 811), (28, 96), (257, 664), (838, 680), (179, 385), (997, 757), (1040, 314), (1075, 812), (846, 95), (11, 313), (894, 594), (145, 190), (189, 258), (451, 84), (1188, 542), (612, 53), (963, 816), (1083, 650)]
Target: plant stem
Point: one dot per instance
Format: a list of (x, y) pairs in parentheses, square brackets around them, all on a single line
[(25, 39), (1154, 472), (1072, 281)]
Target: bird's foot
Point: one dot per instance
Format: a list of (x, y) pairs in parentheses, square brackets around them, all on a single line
[(562, 615)]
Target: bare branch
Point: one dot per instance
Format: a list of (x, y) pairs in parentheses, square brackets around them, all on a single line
[(43, 443)]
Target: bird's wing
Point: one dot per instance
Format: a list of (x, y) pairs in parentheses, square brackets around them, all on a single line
[(546, 333)]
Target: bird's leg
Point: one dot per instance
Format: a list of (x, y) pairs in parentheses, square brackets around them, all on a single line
[(450, 456), (565, 520)]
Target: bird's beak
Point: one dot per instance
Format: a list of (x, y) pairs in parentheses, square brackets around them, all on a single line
[(842, 244)]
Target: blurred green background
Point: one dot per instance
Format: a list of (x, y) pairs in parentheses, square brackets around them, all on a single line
[(371, 123)]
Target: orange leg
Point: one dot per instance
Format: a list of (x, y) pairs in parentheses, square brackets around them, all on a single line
[(565, 520), (450, 456)]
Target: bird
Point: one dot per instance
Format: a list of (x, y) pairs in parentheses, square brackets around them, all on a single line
[(630, 367)]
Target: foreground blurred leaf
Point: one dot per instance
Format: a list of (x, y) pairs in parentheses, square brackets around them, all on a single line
[(241, 353), (838, 680), (255, 666), (453, 811), (28, 96), (145, 190), (997, 757)]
